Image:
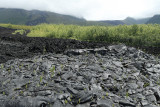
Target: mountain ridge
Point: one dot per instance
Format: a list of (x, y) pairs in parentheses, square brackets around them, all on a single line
[(130, 20), (35, 17), (154, 20)]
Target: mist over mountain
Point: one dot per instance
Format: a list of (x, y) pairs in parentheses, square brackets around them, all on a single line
[(35, 17)]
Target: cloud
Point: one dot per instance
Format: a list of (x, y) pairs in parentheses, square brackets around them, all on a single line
[(91, 9)]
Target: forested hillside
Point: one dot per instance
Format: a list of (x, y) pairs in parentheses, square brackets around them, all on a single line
[(154, 20)]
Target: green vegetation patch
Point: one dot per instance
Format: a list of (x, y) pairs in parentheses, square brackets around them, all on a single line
[(135, 35)]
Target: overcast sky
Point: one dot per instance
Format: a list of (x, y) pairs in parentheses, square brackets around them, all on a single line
[(91, 9)]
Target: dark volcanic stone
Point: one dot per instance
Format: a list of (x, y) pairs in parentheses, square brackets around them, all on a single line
[(22, 46)]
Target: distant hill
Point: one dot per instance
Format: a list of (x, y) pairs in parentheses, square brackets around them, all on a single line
[(130, 20), (113, 22), (154, 20), (127, 21), (34, 17)]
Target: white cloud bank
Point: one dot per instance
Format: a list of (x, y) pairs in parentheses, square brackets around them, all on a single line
[(91, 9)]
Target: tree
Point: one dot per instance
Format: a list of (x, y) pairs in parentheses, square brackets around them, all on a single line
[(134, 30)]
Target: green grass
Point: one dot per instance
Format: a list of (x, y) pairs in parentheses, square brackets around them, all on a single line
[(135, 35)]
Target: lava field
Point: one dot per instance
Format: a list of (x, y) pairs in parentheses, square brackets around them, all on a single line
[(45, 72)]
